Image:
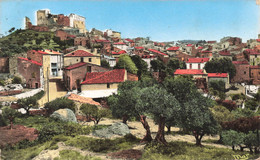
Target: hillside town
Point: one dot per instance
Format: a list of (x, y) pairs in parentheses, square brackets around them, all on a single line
[(60, 59)]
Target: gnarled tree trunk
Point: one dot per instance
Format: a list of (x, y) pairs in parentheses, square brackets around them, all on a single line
[(160, 134), (125, 118), (198, 137), (147, 137)]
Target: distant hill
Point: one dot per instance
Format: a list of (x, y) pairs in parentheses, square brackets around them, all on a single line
[(23, 40)]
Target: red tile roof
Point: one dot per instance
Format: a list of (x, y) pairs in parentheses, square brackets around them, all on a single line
[(31, 61), (79, 53), (173, 49), (122, 52), (40, 52), (258, 40), (81, 99), (155, 51), (224, 53), (255, 67), (200, 47), (189, 45), (119, 43), (189, 71), (102, 40), (114, 76), (197, 60), (240, 62), (129, 40), (76, 65), (139, 47), (220, 75)]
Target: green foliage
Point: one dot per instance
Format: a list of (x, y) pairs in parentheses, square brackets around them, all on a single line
[(103, 145), (221, 114), (16, 80), (180, 87), (251, 104), (2, 121), (60, 103), (73, 155), (125, 62), (123, 103), (246, 112), (185, 151), (2, 82), (69, 129), (232, 138), (105, 64), (92, 111), (196, 117), (157, 65), (221, 65), (140, 64), (36, 122), (10, 114), (217, 85), (174, 64)]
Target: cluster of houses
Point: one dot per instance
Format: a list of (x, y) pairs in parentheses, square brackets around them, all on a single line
[(79, 67)]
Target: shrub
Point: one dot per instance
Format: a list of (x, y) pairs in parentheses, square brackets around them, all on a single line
[(16, 80), (2, 121), (60, 103), (2, 82)]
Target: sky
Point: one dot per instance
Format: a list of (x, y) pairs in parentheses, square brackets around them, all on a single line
[(161, 20)]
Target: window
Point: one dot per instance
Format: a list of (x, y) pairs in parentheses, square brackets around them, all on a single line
[(255, 56), (190, 66), (90, 60), (81, 59), (53, 65), (198, 66), (88, 68), (108, 85)]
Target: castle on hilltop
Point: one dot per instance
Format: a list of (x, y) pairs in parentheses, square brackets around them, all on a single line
[(51, 22)]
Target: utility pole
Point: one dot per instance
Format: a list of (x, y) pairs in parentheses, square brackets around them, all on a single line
[(48, 91)]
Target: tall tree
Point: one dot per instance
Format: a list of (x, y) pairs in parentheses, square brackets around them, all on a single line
[(140, 64), (157, 65), (162, 105), (221, 65), (196, 117), (125, 62), (10, 114)]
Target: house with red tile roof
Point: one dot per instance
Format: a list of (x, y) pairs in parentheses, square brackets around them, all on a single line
[(196, 73), (218, 77), (242, 72), (254, 57), (31, 71), (163, 56), (121, 46), (81, 56), (74, 74), (172, 50), (129, 42), (139, 51), (225, 53), (102, 84), (51, 60), (196, 63)]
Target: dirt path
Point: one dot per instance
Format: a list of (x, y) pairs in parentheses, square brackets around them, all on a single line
[(136, 129)]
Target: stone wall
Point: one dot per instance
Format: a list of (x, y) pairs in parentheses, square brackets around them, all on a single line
[(4, 65)]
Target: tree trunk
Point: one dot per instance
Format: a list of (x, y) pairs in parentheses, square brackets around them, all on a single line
[(147, 137), (198, 137), (160, 134), (125, 118), (168, 129), (11, 124)]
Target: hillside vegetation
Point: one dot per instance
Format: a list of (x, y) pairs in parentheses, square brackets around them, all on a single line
[(22, 40)]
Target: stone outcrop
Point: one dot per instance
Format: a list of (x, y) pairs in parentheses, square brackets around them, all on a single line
[(120, 129), (66, 115)]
